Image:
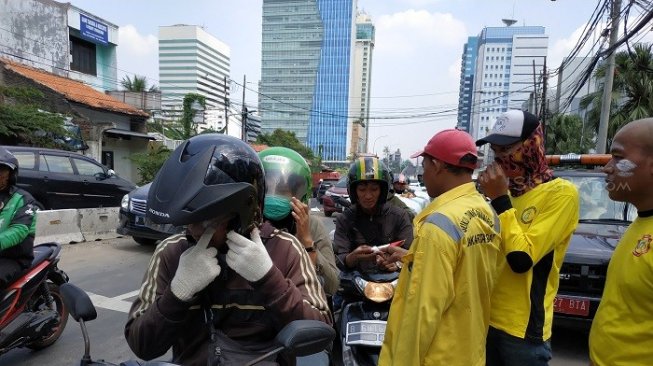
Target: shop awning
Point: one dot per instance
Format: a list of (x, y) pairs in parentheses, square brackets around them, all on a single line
[(121, 132)]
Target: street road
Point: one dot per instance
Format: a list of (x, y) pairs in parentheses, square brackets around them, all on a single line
[(111, 272)]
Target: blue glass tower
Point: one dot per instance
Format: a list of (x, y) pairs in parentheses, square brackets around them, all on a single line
[(467, 69), (305, 68)]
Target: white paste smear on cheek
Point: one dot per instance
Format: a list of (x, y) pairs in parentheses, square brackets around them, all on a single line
[(625, 168)]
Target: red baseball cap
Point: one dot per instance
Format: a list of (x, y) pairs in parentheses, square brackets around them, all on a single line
[(450, 146)]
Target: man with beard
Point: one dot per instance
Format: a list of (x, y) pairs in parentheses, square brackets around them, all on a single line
[(538, 215), (621, 330)]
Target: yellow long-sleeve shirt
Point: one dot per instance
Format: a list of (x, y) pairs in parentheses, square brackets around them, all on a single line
[(536, 229), (441, 309), (622, 330)]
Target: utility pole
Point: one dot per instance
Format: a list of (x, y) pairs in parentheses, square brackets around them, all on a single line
[(226, 107), (602, 139), (544, 104), (534, 90), (243, 113)]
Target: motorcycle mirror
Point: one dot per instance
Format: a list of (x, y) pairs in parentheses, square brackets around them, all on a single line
[(302, 338), (78, 303)]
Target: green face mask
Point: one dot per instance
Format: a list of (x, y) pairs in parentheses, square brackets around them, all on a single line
[(276, 207)]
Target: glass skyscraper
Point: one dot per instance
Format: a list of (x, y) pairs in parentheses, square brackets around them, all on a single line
[(305, 68), (467, 68)]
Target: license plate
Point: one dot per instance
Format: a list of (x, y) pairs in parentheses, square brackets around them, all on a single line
[(365, 332), (571, 305), (140, 221)]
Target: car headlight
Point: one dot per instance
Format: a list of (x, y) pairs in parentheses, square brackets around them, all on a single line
[(124, 204), (377, 292)]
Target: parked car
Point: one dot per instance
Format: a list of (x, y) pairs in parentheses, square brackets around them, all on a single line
[(132, 219), (59, 179), (324, 185), (601, 223), (338, 189)]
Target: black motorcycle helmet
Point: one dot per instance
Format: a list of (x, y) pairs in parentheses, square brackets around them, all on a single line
[(366, 170), (8, 159), (208, 176)]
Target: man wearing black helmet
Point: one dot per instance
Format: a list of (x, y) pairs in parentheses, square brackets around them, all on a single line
[(226, 288), (17, 222), (369, 222)]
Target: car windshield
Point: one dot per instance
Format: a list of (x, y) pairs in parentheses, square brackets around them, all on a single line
[(342, 183), (594, 201)]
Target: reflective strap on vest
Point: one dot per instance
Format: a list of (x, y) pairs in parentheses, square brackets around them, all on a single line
[(446, 225)]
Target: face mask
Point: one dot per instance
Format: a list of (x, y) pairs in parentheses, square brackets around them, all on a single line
[(276, 207)]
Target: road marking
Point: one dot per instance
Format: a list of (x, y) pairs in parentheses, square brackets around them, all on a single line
[(117, 303)]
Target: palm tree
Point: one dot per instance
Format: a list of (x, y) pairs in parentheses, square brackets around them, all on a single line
[(137, 84), (568, 134), (632, 89)]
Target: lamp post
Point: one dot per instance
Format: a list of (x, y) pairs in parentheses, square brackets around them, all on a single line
[(374, 144)]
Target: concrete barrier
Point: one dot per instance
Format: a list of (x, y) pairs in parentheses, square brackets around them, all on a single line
[(61, 226), (98, 223)]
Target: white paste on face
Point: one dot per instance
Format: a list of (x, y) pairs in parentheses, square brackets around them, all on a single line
[(625, 168)]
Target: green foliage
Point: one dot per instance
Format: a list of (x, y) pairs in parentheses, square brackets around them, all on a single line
[(150, 162), (137, 84), (23, 122), (567, 134), (287, 139), (632, 89)]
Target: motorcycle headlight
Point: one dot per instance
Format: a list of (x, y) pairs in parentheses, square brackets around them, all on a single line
[(377, 292), (124, 204)]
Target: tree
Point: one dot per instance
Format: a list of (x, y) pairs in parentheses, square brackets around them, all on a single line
[(286, 139), (22, 119), (566, 134), (149, 163), (187, 128), (137, 84), (632, 89)]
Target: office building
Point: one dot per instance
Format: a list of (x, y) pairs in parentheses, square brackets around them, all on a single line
[(193, 61), (509, 65), (467, 68), (305, 72)]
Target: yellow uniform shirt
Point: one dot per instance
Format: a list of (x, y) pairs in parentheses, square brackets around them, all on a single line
[(536, 232), (622, 330), (441, 309)]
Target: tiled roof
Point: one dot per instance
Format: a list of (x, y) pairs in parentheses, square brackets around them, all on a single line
[(258, 148), (73, 90)]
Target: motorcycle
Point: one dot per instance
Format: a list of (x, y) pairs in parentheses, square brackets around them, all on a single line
[(299, 339), (32, 311), (362, 318)]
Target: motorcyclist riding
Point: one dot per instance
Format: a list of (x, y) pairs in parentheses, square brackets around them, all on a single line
[(223, 291), (288, 183), (17, 222), (370, 221)]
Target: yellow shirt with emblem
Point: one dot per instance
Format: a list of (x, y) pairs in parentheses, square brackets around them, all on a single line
[(539, 227), (441, 308), (622, 330)]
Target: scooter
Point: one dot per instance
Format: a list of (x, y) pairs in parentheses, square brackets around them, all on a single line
[(362, 318), (297, 339), (32, 311)]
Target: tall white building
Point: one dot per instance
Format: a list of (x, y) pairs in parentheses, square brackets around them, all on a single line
[(504, 76), (361, 84), (570, 75), (193, 61)]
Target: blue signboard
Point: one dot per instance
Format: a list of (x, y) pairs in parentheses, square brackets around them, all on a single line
[(93, 30)]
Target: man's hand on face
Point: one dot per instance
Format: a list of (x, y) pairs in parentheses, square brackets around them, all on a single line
[(248, 257), (301, 215), (198, 267), (364, 253), (493, 181)]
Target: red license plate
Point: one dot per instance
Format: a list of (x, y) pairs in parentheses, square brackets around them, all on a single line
[(571, 306)]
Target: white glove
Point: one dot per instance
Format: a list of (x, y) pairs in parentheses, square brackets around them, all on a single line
[(198, 267), (248, 258)]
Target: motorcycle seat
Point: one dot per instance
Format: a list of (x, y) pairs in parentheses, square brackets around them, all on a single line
[(41, 253)]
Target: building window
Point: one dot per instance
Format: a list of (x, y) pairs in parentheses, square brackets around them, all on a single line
[(83, 54)]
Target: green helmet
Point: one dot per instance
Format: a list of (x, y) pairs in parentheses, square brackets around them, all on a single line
[(368, 169), (286, 175)]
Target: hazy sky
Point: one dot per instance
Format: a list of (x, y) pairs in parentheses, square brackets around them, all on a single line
[(416, 62)]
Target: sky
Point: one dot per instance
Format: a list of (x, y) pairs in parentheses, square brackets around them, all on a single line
[(416, 61)]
